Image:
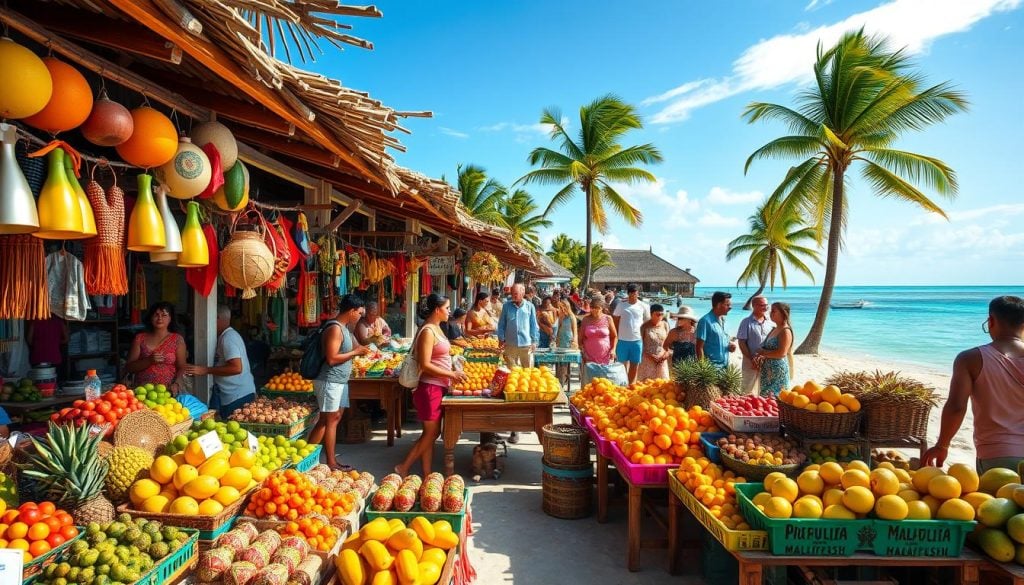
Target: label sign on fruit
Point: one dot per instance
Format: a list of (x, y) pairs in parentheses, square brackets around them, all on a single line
[(254, 443), (210, 443)]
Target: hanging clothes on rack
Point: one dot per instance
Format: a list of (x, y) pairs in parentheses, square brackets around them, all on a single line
[(65, 279)]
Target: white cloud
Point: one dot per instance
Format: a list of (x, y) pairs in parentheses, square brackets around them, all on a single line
[(674, 209), (1003, 211), (451, 132), (814, 4), (612, 242), (714, 219), (724, 196), (787, 58)]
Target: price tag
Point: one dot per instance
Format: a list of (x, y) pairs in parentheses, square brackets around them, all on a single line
[(254, 443), (210, 443), (12, 563), (97, 430)]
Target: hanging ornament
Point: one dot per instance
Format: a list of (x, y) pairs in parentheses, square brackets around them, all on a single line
[(188, 173), (234, 193), (17, 205), (25, 83), (153, 141), (146, 227), (203, 279), (88, 218), (215, 133), (109, 124), (70, 103), (195, 253), (60, 213), (169, 253)]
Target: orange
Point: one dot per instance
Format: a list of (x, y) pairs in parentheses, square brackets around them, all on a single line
[(17, 531), (38, 531), (39, 547), (18, 543)]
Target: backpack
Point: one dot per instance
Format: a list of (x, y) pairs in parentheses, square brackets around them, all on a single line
[(312, 352)]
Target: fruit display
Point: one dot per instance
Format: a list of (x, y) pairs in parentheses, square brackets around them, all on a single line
[(540, 379), (478, 379), (879, 456), (23, 391), (377, 363), (435, 494), (456, 349), (119, 551), (192, 484), (230, 433), (999, 509), (276, 411), (127, 464), (485, 343), (289, 381), (599, 394), (818, 453), (816, 398), (391, 551), (105, 410), (320, 535), (35, 528), (758, 449), (158, 398), (290, 495), (749, 405), (337, 480), (245, 555), (714, 487), (273, 452)]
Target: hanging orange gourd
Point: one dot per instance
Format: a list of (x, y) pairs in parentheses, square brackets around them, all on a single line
[(188, 173), (153, 142), (109, 124), (70, 103), (60, 213), (25, 83), (88, 218), (195, 252), (146, 227)]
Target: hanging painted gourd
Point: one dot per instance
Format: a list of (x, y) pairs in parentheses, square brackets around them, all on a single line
[(88, 218), (234, 193), (109, 124), (195, 252), (146, 227), (215, 133), (169, 253), (25, 83), (188, 173), (17, 205), (70, 103), (153, 142), (60, 213)]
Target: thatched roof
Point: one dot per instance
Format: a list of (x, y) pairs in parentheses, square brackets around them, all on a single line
[(641, 266), (548, 268)]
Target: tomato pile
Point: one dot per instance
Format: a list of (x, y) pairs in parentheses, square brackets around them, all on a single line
[(35, 528), (105, 410), (290, 495)]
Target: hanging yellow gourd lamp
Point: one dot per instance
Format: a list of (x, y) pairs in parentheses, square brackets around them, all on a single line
[(25, 83), (146, 227), (60, 213), (194, 251), (88, 218)]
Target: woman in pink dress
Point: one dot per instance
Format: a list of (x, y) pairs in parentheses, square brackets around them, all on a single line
[(597, 334), (158, 355)]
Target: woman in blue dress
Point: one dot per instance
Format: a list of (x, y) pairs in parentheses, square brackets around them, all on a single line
[(775, 358)]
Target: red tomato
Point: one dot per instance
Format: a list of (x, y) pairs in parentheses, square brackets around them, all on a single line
[(78, 403), (97, 419), (65, 519), (55, 539), (119, 411), (10, 517), (110, 416), (55, 417), (103, 407), (69, 532), (30, 515), (53, 522), (89, 406)]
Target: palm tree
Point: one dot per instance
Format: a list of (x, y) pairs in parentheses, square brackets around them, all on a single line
[(519, 215), (562, 249), (865, 96), (572, 255), (773, 240), (592, 163), (480, 194)]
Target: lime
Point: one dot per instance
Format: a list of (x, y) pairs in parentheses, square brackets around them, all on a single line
[(148, 386), (209, 424), (233, 426)]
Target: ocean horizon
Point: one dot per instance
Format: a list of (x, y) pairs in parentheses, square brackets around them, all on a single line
[(925, 326)]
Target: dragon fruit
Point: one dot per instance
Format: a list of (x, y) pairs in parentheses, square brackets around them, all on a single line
[(384, 498), (270, 538), (240, 573), (296, 542), (236, 539), (405, 499), (249, 528), (412, 482), (213, 563), (307, 571), (274, 574), (392, 479), (430, 500)]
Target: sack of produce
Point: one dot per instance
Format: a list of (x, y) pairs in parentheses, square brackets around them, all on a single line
[(274, 574), (214, 563), (240, 573)]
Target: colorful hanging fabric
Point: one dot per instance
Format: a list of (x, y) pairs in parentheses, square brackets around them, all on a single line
[(300, 234), (139, 302), (65, 278), (309, 295)]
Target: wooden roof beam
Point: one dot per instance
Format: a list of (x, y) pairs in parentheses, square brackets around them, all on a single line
[(291, 148)]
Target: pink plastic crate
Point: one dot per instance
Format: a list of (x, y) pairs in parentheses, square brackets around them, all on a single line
[(641, 475), (604, 446), (575, 414)]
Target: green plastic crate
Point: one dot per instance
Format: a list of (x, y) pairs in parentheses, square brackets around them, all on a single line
[(288, 430), (172, 566), (921, 538), (309, 462), (456, 519), (36, 565)]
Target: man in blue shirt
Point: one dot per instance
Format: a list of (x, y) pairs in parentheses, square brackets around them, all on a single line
[(713, 342), (233, 381), (518, 331)]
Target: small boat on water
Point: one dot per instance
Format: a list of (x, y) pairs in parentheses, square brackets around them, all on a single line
[(859, 304)]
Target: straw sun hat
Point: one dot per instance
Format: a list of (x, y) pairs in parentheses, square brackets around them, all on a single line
[(686, 313)]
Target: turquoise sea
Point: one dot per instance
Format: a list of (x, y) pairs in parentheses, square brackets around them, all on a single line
[(920, 325)]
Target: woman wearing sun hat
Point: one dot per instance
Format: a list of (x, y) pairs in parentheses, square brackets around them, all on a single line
[(681, 339)]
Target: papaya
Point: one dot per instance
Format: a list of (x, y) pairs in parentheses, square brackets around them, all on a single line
[(350, 568), (234, 193), (402, 539), (384, 578), (376, 529), (429, 573), (994, 513), (406, 568), (995, 478), (424, 529), (997, 545), (446, 539), (376, 555)]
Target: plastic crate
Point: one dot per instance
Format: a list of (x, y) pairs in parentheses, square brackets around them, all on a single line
[(290, 395), (604, 446), (709, 442), (310, 461), (734, 540), (272, 430), (655, 475), (744, 424), (174, 565), (456, 519), (36, 565), (531, 396), (921, 538)]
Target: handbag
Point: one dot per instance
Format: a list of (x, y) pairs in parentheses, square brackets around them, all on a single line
[(409, 377)]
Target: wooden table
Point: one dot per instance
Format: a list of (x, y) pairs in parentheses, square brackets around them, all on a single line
[(389, 392), (1014, 571), (967, 565), (20, 408), (488, 415), (636, 506)]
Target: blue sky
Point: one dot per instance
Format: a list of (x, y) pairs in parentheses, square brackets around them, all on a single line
[(487, 69)]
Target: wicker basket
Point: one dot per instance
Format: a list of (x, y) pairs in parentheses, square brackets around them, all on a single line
[(246, 262), (818, 425), (356, 430), (566, 445), (145, 429), (756, 472), (885, 420), (181, 428)]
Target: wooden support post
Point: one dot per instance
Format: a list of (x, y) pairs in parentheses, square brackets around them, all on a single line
[(204, 313)]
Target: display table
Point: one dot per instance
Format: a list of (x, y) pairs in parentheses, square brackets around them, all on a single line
[(20, 408), (635, 511), (967, 565), (488, 415), (386, 390), (553, 358), (1013, 571)]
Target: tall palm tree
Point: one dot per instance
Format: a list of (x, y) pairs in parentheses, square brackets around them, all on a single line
[(773, 240), (572, 255), (592, 163), (865, 96), (562, 249), (481, 195), (519, 215)]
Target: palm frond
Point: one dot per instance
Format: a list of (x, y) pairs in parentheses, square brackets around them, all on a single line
[(888, 184), (785, 147), (934, 173), (795, 121), (620, 205)]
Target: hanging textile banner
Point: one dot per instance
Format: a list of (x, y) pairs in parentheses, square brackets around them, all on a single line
[(440, 265)]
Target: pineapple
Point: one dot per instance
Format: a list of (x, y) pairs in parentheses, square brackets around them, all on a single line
[(70, 472)]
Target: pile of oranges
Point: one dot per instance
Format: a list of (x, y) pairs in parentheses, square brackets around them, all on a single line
[(597, 394), (532, 380), (290, 495), (714, 488), (319, 534), (35, 528), (817, 398), (478, 377), (289, 381)]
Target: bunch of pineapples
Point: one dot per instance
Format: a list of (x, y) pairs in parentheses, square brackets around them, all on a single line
[(69, 471)]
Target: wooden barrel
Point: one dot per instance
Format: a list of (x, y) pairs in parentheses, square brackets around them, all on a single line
[(568, 492), (566, 445)]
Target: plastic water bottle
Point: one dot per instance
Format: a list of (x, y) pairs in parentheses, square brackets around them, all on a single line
[(93, 386)]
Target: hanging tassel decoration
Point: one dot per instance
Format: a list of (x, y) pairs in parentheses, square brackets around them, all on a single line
[(105, 272)]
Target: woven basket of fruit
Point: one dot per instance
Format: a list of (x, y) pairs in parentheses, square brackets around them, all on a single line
[(756, 472), (894, 406), (181, 428), (818, 425)]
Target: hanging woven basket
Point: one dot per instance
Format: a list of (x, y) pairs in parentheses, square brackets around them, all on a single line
[(246, 262)]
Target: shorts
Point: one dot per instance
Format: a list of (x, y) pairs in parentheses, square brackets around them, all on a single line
[(427, 400), (330, 396), (628, 351)]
